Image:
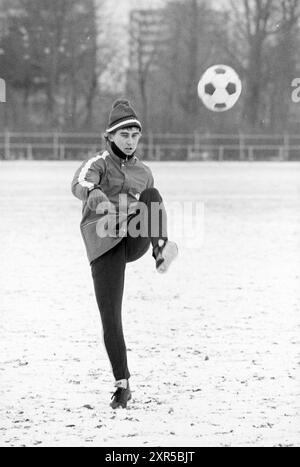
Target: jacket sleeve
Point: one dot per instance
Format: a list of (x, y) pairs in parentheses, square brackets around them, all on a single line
[(150, 183), (87, 176)]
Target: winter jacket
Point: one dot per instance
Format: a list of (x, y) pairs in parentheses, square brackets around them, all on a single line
[(113, 176)]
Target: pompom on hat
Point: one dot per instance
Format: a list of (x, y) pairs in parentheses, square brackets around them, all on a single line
[(122, 115)]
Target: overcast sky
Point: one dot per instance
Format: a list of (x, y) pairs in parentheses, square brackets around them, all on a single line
[(118, 10)]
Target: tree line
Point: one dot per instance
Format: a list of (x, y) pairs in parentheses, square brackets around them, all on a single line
[(63, 65)]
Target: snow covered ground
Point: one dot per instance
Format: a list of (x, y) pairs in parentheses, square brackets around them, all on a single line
[(213, 347)]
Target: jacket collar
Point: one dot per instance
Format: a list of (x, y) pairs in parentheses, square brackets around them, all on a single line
[(120, 161)]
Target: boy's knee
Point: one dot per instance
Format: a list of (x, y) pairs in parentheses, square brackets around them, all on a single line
[(151, 194)]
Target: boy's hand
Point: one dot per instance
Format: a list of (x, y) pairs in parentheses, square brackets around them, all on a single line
[(95, 198)]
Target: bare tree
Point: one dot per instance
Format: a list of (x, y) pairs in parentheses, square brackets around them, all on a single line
[(257, 24), (79, 81), (53, 58), (191, 47), (146, 35), (283, 64)]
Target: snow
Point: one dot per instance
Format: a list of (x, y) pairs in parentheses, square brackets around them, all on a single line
[(213, 346)]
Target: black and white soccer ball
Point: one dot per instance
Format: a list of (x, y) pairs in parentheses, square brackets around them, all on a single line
[(220, 88)]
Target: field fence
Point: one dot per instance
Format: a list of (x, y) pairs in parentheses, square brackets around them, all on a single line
[(157, 147)]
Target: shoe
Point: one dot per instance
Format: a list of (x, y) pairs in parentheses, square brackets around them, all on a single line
[(165, 253), (120, 398)]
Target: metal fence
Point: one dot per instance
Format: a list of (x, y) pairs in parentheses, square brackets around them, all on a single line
[(159, 147)]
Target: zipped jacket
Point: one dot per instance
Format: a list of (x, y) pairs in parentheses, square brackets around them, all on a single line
[(115, 177)]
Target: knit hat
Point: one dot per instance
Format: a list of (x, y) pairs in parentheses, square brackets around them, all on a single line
[(122, 115)]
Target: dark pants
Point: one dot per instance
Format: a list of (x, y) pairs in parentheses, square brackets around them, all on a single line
[(108, 273)]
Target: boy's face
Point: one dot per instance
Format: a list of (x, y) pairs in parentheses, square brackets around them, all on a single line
[(126, 139)]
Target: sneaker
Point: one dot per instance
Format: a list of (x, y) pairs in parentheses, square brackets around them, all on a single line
[(120, 398), (164, 254)]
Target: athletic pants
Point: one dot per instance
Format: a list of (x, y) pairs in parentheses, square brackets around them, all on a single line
[(108, 273)]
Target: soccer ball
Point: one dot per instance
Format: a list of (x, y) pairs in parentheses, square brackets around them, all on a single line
[(220, 88)]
